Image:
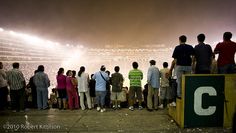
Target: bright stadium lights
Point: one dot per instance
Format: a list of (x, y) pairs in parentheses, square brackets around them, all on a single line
[(1, 29), (32, 39)]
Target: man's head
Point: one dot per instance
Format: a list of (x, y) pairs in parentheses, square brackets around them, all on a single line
[(152, 62), (103, 68), (201, 38), (135, 65), (227, 36), (165, 64), (117, 69), (16, 65), (182, 39), (41, 68)]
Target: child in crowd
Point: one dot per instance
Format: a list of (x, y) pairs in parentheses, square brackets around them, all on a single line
[(53, 99), (165, 87)]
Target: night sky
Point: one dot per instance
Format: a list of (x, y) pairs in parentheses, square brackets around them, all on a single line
[(97, 22)]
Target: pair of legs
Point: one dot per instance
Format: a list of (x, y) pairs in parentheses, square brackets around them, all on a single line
[(73, 100), (100, 98), (62, 98), (165, 94), (132, 91), (152, 92), (116, 99), (42, 98), (180, 70), (88, 99), (3, 97), (18, 99)]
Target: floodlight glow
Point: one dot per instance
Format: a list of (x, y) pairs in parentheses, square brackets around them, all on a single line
[(31, 39), (1, 29)]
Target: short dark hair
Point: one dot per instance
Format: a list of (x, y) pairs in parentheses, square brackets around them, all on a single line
[(135, 65), (117, 68), (227, 36), (183, 38), (201, 37), (165, 64), (152, 62), (15, 65), (40, 68), (103, 68)]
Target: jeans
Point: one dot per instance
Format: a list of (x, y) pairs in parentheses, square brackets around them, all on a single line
[(100, 98), (42, 98), (227, 69), (180, 70)]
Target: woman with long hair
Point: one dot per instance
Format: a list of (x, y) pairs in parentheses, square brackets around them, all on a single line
[(71, 90), (83, 84)]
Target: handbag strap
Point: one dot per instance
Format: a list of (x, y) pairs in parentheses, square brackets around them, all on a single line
[(103, 77)]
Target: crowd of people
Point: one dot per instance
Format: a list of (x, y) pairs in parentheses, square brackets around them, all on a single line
[(103, 90)]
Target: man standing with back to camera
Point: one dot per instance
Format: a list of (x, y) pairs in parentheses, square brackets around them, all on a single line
[(183, 60), (203, 56), (226, 51), (17, 85)]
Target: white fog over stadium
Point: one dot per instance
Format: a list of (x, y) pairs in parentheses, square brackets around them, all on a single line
[(32, 51)]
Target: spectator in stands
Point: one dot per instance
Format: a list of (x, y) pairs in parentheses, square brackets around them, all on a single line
[(61, 88), (135, 77), (53, 99), (203, 56), (83, 84), (226, 51), (32, 87), (17, 85), (153, 80), (92, 83), (71, 84), (3, 88), (108, 93), (183, 60), (42, 83), (101, 78), (117, 84), (165, 93)]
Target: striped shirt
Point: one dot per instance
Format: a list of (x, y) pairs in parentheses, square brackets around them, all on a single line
[(135, 77), (15, 79)]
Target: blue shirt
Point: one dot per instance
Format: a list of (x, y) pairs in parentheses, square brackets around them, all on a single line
[(41, 80), (100, 82), (153, 76)]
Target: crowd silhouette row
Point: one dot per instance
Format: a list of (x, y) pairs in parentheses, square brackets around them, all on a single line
[(103, 90)]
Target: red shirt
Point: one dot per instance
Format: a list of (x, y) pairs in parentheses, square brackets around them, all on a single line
[(226, 52)]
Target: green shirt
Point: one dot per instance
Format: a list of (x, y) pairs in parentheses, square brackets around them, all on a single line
[(135, 77)]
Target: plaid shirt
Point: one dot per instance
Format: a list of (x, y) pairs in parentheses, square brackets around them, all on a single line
[(15, 79)]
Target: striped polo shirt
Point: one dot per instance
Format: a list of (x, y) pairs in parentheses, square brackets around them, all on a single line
[(135, 77), (15, 79)]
